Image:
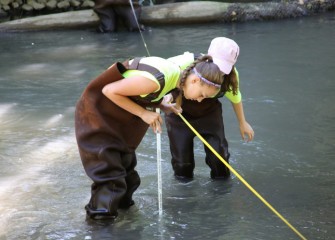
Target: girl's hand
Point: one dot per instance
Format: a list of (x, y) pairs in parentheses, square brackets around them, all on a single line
[(167, 106), (246, 130), (153, 119)]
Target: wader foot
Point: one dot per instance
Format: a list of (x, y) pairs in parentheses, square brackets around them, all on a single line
[(220, 178), (126, 204), (183, 178), (99, 214)]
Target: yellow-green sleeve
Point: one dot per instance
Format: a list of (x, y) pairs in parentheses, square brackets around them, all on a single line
[(183, 61)]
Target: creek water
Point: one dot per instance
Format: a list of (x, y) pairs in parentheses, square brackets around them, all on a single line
[(287, 80)]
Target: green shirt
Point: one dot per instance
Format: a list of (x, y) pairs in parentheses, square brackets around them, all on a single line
[(170, 70)]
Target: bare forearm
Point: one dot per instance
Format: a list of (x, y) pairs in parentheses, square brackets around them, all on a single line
[(245, 128), (151, 118), (119, 92), (127, 104), (239, 112)]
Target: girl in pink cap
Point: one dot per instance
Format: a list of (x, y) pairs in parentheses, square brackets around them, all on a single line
[(206, 116)]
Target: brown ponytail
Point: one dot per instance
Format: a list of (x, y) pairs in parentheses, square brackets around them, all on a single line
[(230, 83)]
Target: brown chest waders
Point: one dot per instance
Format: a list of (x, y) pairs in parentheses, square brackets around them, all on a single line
[(107, 137)]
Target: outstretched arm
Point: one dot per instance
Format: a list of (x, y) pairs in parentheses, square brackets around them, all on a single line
[(119, 91), (245, 128)]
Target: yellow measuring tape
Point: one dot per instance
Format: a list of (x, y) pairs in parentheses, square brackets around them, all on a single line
[(241, 178)]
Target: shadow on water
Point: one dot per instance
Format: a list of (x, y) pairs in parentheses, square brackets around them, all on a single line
[(287, 81)]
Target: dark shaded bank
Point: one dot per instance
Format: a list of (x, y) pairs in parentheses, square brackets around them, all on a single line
[(179, 13)]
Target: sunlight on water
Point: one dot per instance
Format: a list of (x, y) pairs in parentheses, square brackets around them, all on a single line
[(4, 111), (30, 178), (33, 68), (53, 120)]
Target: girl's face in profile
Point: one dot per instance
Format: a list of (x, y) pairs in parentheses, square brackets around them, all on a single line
[(195, 89)]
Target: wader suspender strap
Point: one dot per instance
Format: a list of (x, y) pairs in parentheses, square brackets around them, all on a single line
[(154, 71)]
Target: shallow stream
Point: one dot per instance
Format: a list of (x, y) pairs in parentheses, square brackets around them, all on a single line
[(287, 80)]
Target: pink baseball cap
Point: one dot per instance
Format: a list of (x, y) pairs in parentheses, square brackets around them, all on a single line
[(224, 52)]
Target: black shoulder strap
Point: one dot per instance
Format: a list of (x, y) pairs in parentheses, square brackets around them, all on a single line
[(134, 64), (154, 71), (144, 67)]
